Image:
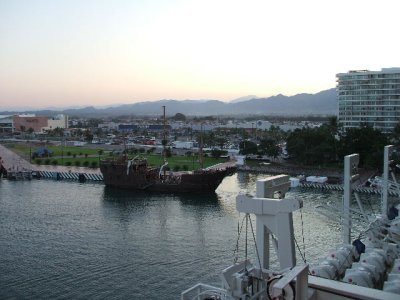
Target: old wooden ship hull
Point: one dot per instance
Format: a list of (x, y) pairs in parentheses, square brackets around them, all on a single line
[(140, 176)]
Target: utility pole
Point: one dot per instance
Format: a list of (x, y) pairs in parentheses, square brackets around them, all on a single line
[(164, 141)]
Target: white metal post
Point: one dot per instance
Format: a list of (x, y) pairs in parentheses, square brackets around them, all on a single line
[(263, 236), (273, 216), (385, 184), (350, 161)]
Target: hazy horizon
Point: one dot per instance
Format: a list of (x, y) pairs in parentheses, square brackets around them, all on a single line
[(60, 108), (71, 53)]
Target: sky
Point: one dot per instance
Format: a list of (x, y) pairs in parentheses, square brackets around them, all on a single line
[(63, 53)]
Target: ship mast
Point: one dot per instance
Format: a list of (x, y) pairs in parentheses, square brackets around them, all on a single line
[(201, 147), (164, 141)]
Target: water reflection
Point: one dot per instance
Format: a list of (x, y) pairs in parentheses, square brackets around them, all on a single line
[(115, 243), (126, 197), (199, 200)]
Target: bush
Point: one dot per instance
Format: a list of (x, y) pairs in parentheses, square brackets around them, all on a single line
[(38, 161), (77, 163), (177, 168), (47, 161), (93, 164), (80, 153), (69, 153), (54, 162), (68, 163), (86, 163), (216, 153), (185, 167), (168, 152)]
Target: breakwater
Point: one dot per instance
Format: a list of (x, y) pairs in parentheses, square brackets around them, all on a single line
[(335, 178), (339, 187), (81, 176), (334, 175)]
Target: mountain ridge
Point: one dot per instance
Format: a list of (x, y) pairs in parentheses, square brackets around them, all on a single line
[(321, 103)]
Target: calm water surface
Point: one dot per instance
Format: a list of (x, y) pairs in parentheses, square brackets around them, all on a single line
[(64, 240)]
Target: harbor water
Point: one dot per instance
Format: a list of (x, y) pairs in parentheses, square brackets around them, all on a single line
[(66, 240)]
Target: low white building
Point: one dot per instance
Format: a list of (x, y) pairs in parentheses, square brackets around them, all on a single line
[(58, 121)]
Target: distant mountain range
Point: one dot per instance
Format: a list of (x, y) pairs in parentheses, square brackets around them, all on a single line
[(322, 103)]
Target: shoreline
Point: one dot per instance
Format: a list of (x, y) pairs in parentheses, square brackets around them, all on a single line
[(335, 176)]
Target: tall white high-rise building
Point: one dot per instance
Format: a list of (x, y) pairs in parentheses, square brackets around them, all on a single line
[(369, 97)]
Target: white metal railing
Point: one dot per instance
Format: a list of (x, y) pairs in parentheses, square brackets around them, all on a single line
[(202, 291)]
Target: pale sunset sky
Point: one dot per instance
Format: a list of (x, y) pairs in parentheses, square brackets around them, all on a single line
[(62, 53)]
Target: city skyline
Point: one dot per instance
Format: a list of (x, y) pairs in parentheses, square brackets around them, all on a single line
[(81, 53)]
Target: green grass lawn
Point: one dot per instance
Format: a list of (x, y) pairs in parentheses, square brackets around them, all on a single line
[(190, 162), (88, 157), (25, 150)]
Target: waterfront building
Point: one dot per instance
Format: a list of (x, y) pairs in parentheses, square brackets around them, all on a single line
[(38, 124), (60, 121), (127, 128), (369, 98), (25, 123), (6, 124), (108, 126)]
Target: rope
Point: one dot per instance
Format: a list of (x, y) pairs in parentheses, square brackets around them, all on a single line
[(236, 250), (255, 243), (245, 250), (302, 234), (298, 248)]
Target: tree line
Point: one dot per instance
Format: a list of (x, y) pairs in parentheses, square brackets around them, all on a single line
[(327, 145)]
